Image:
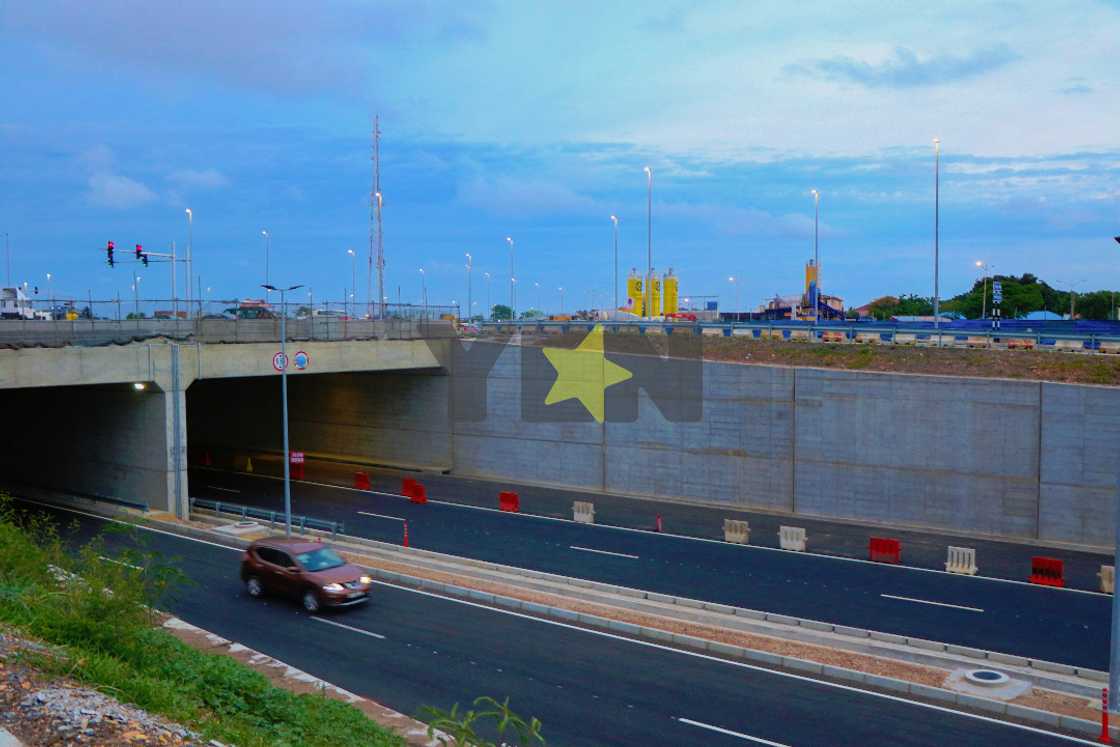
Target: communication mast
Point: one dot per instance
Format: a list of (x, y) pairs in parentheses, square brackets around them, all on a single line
[(375, 244)]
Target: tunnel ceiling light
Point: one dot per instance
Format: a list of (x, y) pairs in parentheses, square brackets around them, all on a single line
[(139, 386)]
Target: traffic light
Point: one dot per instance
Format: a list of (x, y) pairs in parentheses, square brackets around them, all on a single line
[(109, 252), (144, 259), (139, 251)]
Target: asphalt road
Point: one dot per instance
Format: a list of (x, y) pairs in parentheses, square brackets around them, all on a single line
[(406, 649), (1040, 622)]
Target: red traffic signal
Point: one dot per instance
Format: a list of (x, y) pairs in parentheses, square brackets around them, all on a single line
[(109, 252), (139, 251)]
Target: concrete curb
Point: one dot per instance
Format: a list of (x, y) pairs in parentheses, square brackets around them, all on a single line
[(939, 696)]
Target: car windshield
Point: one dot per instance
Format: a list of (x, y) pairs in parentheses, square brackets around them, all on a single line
[(320, 560)]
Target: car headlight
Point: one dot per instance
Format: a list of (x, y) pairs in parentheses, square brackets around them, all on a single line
[(366, 580), (333, 587)]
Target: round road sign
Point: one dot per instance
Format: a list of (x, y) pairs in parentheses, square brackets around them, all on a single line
[(302, 360), (280, 361)]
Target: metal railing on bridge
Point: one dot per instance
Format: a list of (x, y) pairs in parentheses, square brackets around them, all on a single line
[(1092, 337), (91, 322), (303, 523)]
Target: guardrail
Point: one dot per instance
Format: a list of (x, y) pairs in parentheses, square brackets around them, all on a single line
[(100, 323), (836, 333), (273, 517)]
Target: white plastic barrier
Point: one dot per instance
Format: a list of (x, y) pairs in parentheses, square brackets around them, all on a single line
[(961, 560), (583, 512), (1108, 579), (792, 538), (736, 531)]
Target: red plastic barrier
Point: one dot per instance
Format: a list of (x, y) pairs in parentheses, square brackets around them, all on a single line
[(657, 526), (1047, 571), (408, 486), (414, 489), (509, 501), (884, 550), (361, 481)]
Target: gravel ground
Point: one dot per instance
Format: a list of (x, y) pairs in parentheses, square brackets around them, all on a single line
[(41, 711)]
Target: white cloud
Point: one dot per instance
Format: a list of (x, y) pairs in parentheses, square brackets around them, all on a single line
[(513, 196), (195, 179), (117, 192)]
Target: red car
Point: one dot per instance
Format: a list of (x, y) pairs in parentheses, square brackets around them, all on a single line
[(304, 570)]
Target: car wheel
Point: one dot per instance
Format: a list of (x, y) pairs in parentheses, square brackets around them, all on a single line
[(310, 602), (254, 587)]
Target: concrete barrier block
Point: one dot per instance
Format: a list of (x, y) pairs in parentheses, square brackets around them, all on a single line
[(801, 665), (782, 619), (534, 608), (887, 683), (961, 560), (762, 657), (887, 637), (937, 694), (842, 673), (750, 614), (815, 625), (736, 531), (658, 634), (1093, 674), (1079, 725), (792, 538), (619, 626), (692, 642), (972, 653), (924, 644), (853, 632), (1011, 659), (662, 598), (981, 704), (724, 609), (595, 620), (562, 614), (583, 512), (725, 649), (1107, 575), (1051, 666), (691, 603), (1032, 715)]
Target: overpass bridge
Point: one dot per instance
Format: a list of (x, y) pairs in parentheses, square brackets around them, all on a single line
[(105, 409)]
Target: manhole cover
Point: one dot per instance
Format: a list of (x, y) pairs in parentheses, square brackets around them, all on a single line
[(986, 677)]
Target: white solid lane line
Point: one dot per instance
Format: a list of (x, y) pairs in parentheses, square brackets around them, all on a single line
[(226, 490), (728, 732), (603, 552), (630, 641), (936, 604), (380, 516), (371, 634)]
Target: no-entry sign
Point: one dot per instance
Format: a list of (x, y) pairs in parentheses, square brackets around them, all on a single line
[(279, 361)]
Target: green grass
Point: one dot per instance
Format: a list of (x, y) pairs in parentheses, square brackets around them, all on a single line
[(108, 641)]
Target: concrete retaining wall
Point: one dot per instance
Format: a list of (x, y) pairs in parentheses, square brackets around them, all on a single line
[(1007, 458)]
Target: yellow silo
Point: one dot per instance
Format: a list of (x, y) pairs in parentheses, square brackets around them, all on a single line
[(654, 294), (671, 287), (635, 301)]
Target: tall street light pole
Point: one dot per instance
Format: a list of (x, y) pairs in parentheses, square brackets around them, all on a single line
[(817, 255), (561, 289), (985, 268), (424, 291), (284, 403), (614, 222), (190, 256), (512, 282), (353, 274), (470, 266), (267, 253), (649, 243), (8, 255), (735, 284), (937, 238), (489, 308)]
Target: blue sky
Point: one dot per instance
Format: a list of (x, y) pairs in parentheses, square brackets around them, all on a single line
[(534, 120)]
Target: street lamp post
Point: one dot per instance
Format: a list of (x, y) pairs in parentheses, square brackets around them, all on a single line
[(267, 253), (424, 291), (284, 405), (190, 257), (937, 238), (353, 275), (817, 255), (614, 222), (489, 308), (649, 242), (470, 267), (537, 287), (8, 256), (735, 283), (512, 282), (986, 269), (50, 295), (561, 289)]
